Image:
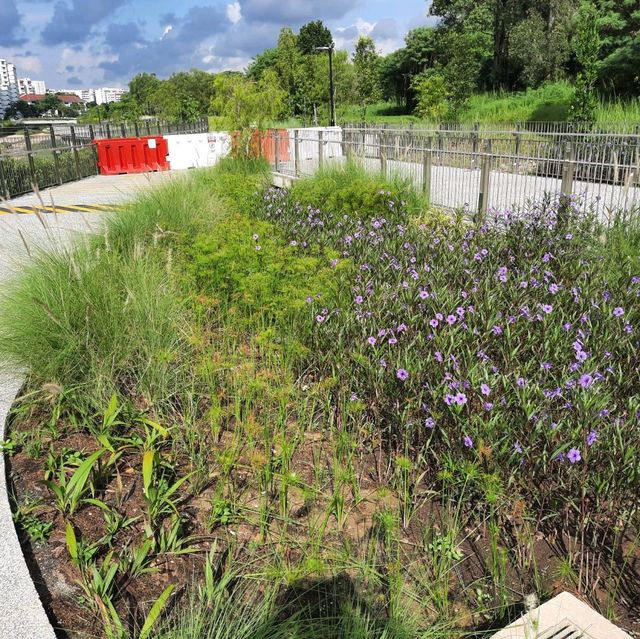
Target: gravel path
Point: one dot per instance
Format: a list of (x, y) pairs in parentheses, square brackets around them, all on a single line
[(21, 613)]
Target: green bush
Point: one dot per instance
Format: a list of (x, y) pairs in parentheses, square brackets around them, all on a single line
[(350, 189)]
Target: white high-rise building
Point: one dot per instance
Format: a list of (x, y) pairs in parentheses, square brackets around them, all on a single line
[(106, 94), (27, 86), (9, 92)]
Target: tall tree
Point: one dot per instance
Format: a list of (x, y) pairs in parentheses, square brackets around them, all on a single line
[(619, 27), (142, 88), (367, 71), (313, 34)]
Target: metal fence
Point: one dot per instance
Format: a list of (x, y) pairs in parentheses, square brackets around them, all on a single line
[(479, 171), (38, 157)]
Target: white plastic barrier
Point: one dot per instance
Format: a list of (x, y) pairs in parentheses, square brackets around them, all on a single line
[(308, 142), (187, 151), (197, 150), (219, 146)]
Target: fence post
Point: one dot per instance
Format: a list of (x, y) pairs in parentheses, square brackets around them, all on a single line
[(276, 154), (568, 170), (123, 130), (92, 136), (474, 137), (108, 130), (427, 160), (4, 189), (320, 149), (76, 157), (485, 173), (518, 139), (32, 164), (54, 151), (296, 152), (136, 129), (147, 127), (382, 140), (159, 129), (94, 149)]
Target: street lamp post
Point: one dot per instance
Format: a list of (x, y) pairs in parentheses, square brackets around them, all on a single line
[(332, 103)]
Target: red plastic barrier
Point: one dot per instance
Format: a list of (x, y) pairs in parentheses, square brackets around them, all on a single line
[(132, 155)]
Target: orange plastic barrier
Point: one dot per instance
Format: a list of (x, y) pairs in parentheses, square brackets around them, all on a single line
[(132, 155), (263, 144)]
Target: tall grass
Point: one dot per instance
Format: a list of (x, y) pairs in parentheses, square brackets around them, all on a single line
[(97, 321)]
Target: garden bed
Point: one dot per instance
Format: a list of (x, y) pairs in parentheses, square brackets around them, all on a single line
[(333, 402)]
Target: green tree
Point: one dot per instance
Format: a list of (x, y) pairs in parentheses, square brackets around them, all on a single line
[(587, 49), (366, 62), (50, 105), (261, 62), (142, 89), (433, 96), (244, 103), (619, 27), (313, 34)]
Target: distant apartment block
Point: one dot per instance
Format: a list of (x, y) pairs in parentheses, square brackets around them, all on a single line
[(27, 86), (9, 92), (106, 94)]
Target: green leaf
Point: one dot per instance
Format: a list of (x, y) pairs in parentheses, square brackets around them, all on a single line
[(147, 469), (72, 542), (155, 611), (78, 481)]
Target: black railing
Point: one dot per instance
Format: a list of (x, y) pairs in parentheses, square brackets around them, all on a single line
[(36, 157)]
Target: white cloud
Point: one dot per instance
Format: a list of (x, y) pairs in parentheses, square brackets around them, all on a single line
[(364, 27), (167, 29), (29, 64), (234, 12)]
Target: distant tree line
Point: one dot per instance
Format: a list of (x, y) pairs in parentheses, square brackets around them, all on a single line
[(477, 45)]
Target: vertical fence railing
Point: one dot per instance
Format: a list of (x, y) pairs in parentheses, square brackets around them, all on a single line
[(482, 172)]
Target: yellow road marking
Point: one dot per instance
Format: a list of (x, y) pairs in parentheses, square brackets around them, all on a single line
[(56, 208)]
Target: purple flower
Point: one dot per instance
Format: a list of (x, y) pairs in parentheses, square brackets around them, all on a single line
[(423, 295), (592, 437), (468, 442), (258, 247), (485, 389), (521, 382), (433, 323), (497, 330), (487, 406), (438, 357), (402, 374), (460, 399), (309, 299), (371, 341), (429, 422), (553, 289), (359, 299), (574, 455), (449, 399), (517, 448), (618, 311), (451, 319), (585, 380), (547, 308), (393, 341), (402, 328)]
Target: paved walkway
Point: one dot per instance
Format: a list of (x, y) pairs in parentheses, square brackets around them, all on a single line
[(21, 613)]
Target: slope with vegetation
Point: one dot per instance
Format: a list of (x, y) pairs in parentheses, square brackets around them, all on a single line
[(329, 412)]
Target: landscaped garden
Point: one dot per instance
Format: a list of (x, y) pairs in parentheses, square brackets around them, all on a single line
[(327, 412)]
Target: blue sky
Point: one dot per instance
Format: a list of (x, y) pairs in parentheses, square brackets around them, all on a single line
[(84, 43)]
